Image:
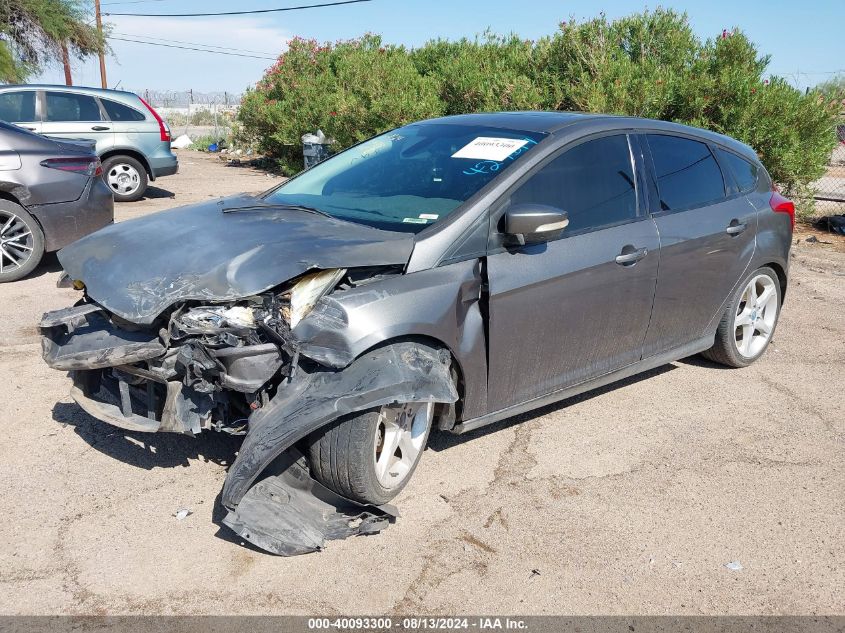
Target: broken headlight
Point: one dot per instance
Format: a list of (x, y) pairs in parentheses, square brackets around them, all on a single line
[(309, 289), (211, 319)]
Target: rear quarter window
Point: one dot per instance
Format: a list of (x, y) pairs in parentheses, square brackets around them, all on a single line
[(744, 172), (687, 172), (119, 112)]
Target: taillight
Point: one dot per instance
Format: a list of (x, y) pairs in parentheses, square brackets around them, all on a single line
[(780, 204), (85, 165), (163, 128)]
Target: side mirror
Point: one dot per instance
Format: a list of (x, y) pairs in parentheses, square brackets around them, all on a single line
[(534, 223)]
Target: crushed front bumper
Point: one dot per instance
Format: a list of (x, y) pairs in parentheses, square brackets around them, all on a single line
[(125, 376)]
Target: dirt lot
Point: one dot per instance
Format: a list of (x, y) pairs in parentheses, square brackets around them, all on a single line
[(630, 499)]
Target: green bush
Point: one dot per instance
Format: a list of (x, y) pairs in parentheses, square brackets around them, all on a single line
[(491, 74), (649, 64), (652, 65), (350, 90)]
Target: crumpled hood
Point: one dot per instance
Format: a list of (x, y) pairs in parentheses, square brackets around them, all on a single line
[(137, 269)]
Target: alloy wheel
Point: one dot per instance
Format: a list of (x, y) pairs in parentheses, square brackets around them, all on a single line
[(16, 242), (756, 316), (123, 179), (400, 438)]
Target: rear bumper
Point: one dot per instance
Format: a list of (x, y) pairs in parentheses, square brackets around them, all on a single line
[(163, 166), (66, 222)]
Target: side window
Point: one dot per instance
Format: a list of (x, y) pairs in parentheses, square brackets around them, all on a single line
[(66, 106), (744, 171), (17, 107), (119, 112), (687, 173), (593, 182)]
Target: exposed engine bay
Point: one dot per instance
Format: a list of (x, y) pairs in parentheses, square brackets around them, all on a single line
[(197, 367)]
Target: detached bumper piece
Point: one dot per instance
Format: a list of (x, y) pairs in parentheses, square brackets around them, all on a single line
[(290, 513), (82, 337)]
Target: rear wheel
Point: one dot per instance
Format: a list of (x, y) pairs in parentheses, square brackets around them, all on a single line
[(21, 242), (370, 456), (749, 322), (126, 177)]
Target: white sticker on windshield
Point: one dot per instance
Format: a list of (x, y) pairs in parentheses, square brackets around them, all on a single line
[(428, 216), (490, 148), (415, 221)]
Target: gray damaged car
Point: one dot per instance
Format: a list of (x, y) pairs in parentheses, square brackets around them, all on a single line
[(444, 275)]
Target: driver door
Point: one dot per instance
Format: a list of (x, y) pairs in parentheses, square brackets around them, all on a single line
[(572, 309)]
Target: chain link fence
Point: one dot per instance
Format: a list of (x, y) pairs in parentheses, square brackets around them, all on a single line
[(829, 190), (199, 115)]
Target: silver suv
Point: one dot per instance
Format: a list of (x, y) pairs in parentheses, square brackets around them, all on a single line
[(133, 141)]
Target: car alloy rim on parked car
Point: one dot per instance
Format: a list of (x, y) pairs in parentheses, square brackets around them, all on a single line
[(756, 316), (123, 179), (400, 437), (16, 242)]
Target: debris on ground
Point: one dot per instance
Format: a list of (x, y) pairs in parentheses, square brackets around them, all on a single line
[(182, 513), (181, 142), (831, 224), (734, 565), (814, 240)]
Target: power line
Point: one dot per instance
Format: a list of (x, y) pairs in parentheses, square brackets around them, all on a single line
[(105, 4), (161, 39), (198, 15), (189, 48)]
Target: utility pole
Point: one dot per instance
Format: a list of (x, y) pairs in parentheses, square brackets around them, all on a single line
[(103, 81), (66, 64)]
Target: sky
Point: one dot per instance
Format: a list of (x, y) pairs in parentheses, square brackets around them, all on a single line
[(805, 39)]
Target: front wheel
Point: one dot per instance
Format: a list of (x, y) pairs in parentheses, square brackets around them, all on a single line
[(749, 322), (370, 456), (21, 242)]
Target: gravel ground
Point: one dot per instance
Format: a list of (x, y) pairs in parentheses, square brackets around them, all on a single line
[(628, 500)]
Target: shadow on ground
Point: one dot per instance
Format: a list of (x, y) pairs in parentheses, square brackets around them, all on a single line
[(49, 264), (154, 193), (147, 450), (444, 441), (157, 450), (700, 361)]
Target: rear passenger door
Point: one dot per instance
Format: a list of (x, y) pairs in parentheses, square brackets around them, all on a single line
[(707, 237), (569, 310), (20, 107), (72, 116)]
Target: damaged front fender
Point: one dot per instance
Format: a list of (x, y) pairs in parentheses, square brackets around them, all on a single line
[(291, 513), (400, 372)]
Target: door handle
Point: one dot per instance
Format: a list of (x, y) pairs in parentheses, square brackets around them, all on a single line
[(628, 257), (735, 227), (100, 128), (26, 127)]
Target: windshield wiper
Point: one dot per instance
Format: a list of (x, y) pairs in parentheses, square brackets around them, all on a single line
[(265, 207)]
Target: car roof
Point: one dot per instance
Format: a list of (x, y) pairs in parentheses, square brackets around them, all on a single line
[(544, 122), (573, 122), (90, 90)]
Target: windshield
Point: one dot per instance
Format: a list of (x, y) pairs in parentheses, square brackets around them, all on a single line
[(409, 178)]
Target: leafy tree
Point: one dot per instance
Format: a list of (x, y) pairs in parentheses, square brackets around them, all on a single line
[(652, 65), (33, 31), (491, 73), (349, 89)]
